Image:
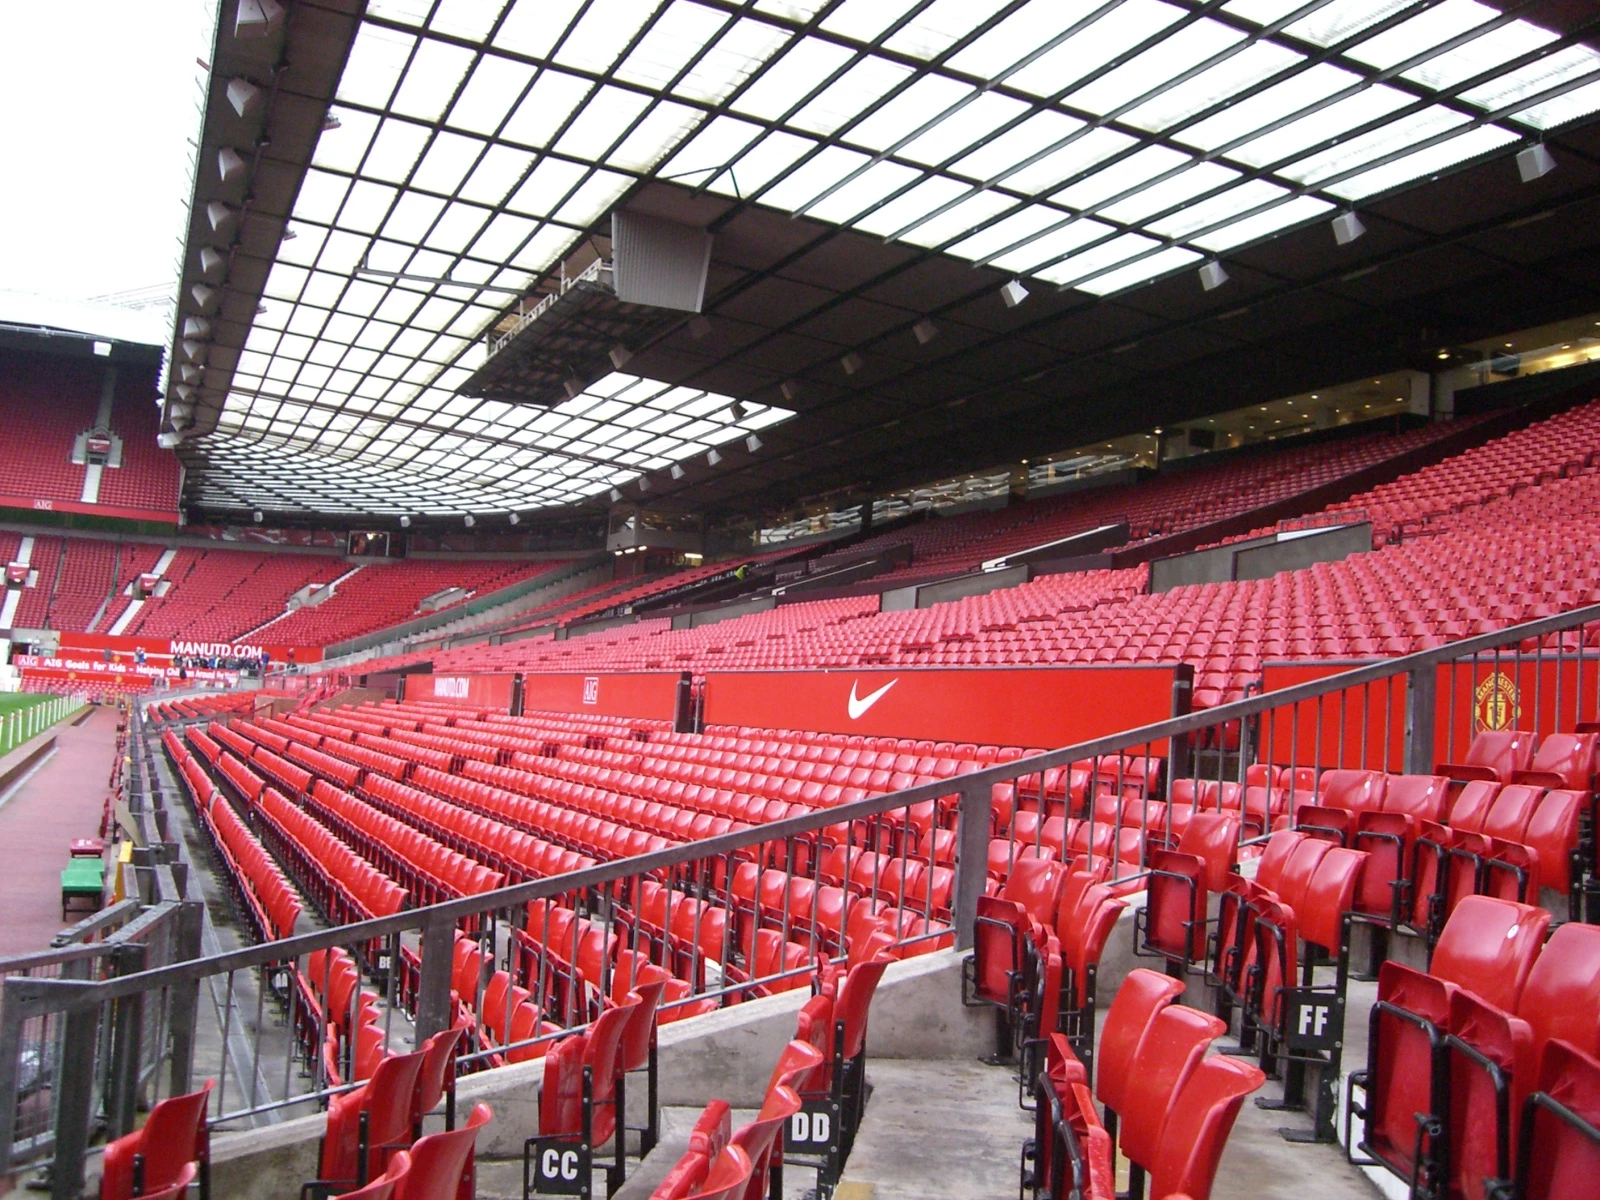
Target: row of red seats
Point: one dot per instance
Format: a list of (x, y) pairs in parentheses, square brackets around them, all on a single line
[(342, 884), (1169, 1108), (1500, 1019)]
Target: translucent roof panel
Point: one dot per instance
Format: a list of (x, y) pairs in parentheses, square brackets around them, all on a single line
[(1095, 146)]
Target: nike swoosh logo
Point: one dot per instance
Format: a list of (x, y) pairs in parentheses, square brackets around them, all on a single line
[(858, 705)]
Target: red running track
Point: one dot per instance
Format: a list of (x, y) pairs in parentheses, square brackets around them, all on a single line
[(61, 800)]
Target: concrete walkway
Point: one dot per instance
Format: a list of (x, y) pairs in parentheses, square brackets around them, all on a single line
[(61, 799)]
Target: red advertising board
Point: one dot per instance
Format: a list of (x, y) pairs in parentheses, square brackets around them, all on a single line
[(1544, 695), (1357, 728), (70, 667), (1022, 706), (478, 691), (163, 648), (652, 695)]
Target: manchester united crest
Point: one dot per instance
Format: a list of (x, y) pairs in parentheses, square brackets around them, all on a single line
[(1495, 703)]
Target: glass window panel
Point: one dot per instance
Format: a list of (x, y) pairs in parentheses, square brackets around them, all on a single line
[(501, 238), (959, 220), (598, 193), (762, 162), (913, 206), (546, 187), (470, 19), (1335, 23), (366, 206), (489, 91), (1386, 139), (603, 32), (495, 175), (457, 226), (320, 197), (676, 37), (713, 147), (545, 108), (812, 178), (850, 95), (1252, 65), (1422, 33), (377, 59), (411, 216), (862, 192), (1050, 246), (284, 281), (1168, 58), (1424, 162), (967, 126), (1123, 28), (435, 72), (1121, 175), (941, 25), (904, 114), (1299, 91), (543, 248), (447, 162), (662, 128), (1160, 263), (1072, 160), (341, 149), (304, 247), (1283, 216), (993, 52), (1217, 209), (322, 290), (1551, 71), (1557, 110), (805, 65), (1025, 223), (1369, 104), (394, 151), (734, 58), (603, 119), (1004, 151), (1170, 193), (404, 12)]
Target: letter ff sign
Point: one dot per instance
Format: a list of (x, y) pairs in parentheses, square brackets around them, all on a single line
[(591, 689), (1314, 1020), (558, 1166)]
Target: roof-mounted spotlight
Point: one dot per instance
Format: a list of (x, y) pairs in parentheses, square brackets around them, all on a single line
[(405, 522), (188, 373), (257, 18), (738, 411), (469, 520), (676, 472), (196, 327), (790, 389), (183, 392), (752, 443), (330, 123), (230, 164), (258, 516), (1347, 227), (573, 387), (192, 350), (515, 519), (212, 260), (616, 496), (619, 356), (1212, 276), (852, 362), (644, 483), (243, 96), (1013, 293), (203, 294), (220, 216), (102, 349), (1534, 162), (713, 457), (169, 439), (924, 331)]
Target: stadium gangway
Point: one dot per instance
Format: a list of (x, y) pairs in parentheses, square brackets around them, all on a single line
[(1382, 713)]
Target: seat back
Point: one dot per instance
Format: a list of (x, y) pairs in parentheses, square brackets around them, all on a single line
[(177, 1188), (1489, 1051), (1175, 905), (854, 998), (1214, 839), (1353, 791), (387, 1100), (796, 1067), (383, 1187), (1143, 994), (441, 1163), (1561, 998), (1195, 1132), (1328, 896), (1172, 1047), (729, 1175), (1559, 1154), (1489, 945), (1419, 796), (760, 1137), (1502, 751), (640, 1033), (437, 1074), (561, 1097), (172, 1136), (1566, 760), (1035, 884), (1405, 1058)]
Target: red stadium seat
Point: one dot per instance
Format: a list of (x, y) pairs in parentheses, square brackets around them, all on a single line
[(156, 1155)]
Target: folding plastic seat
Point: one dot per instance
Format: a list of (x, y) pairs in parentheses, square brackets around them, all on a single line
[(1495, 756), (1489, 945), (1173, 1045), (1558, 1152), (1564, 760), (442, 1163), (354, 1149), (1195, 1131), (159, 1153)]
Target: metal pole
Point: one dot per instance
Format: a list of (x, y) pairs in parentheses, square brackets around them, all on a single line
[(433, 984), (1421, 686), (972, 858), (74, 1102)]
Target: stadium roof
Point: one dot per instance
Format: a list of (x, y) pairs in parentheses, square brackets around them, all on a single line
[(392, 208)]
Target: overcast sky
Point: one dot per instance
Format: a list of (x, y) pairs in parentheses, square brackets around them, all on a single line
[(100, 97)]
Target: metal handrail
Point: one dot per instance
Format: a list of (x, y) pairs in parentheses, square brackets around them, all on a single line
[(972, 787)]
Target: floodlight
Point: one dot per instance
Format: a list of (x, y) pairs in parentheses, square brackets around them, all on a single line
[(1212, 276), (257, 516), (925, 331), (169, 440), (738, 411), (619, 355), (1534, 162), (515, 519), (852, 363), (196, 327), (713, 457), (789, 388), (469, 520), (752, 443), (405, 522), (243, 95), (257, 18), (677, 471), (203, 294), (212, 260), (1347, 227), (230, 164), (1013, 293), (102, 349), (616, 496), (219, 215)]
